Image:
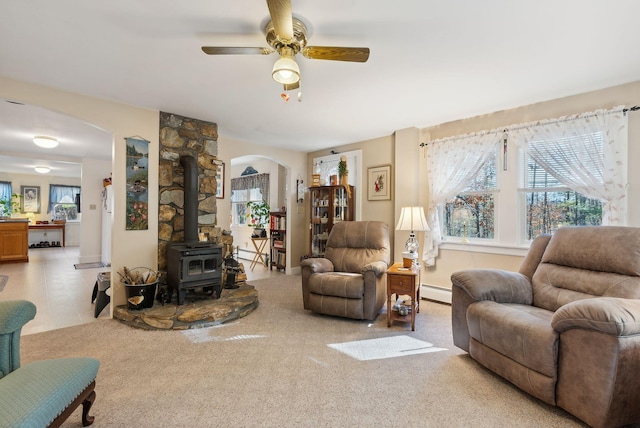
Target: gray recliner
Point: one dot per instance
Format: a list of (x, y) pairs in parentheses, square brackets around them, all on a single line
[(566, 327), (350, 281)]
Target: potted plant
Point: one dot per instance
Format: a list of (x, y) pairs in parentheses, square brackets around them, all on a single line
[(258, 216), (342, 168), (343, 174), (9, 206)]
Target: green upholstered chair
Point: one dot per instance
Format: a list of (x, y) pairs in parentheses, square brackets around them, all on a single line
[(13, 315), (41, 393)]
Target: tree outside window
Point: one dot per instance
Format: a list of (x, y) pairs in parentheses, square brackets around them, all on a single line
[(549, 204), (471, 213)]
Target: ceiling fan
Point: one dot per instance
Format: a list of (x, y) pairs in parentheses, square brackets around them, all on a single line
[(287, 36)]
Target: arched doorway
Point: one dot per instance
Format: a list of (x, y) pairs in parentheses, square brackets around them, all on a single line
[(82, 158), (242, 193)]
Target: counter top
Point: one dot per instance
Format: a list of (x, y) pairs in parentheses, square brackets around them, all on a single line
[(13, 220)]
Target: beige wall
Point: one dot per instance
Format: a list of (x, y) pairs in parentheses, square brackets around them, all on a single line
[(376, 152), (407, 174), (129, 248), (93, 172), (41, 180), (295, 164), (449, 260), (138, 248), (403, 151), (242, 233), (72, 228)]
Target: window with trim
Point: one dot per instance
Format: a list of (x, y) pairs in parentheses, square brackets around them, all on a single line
[(547, 203), (60, 193), (544, 203), (239, 209), (471, 212), (244, 189), (541, 202), (550, 173)]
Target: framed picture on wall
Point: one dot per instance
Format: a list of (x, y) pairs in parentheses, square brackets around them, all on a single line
[(220, 180), (137, 162), (30, 201), (379, 183)]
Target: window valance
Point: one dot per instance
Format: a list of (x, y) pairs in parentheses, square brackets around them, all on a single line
[(255, 181)]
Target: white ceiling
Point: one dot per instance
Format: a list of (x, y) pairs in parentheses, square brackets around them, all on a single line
[(431, 62), (19, 123)]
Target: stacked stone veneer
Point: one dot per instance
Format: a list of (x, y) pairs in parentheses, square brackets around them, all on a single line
[(184, 136)]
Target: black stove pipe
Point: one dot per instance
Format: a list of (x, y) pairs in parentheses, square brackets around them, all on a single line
[(190, 200)]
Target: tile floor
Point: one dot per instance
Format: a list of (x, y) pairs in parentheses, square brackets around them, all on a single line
[(61, 293)]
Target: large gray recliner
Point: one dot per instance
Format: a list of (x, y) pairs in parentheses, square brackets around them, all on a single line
[(566, 327), (350, 281)]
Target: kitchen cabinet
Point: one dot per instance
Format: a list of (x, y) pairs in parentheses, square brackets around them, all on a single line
[(14, 240)]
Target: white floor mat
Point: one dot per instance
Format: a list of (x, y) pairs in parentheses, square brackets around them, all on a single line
[(385, 347)]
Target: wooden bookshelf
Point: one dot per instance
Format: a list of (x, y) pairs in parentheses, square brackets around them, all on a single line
[(278, 236)]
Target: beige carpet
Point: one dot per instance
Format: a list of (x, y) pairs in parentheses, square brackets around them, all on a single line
[(274, 368)]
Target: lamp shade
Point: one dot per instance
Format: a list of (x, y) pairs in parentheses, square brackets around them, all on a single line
[(413, 219), (46, 142), (286, 70), (66, 199)]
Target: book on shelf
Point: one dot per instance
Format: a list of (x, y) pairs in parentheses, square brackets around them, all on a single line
[(278, 222)]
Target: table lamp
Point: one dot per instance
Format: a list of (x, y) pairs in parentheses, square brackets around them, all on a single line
[(412, 219)]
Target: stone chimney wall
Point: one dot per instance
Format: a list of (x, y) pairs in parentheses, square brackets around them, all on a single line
[(184, 136)]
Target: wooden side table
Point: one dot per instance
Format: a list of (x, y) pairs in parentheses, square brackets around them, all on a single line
[(259, 244), (48, 226), (401, 281)]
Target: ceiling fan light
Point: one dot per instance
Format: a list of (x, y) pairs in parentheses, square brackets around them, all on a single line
[(42, 169), (46, 142), (286, 71)]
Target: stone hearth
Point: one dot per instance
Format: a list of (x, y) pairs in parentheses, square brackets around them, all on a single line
[(232, 304)]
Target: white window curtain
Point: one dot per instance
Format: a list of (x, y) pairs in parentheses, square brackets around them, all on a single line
[(451, 165), (586, 152), (59, 191)]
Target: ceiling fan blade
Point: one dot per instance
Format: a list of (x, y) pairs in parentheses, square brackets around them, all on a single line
[(218, 50), (281, 17), (334, 53)]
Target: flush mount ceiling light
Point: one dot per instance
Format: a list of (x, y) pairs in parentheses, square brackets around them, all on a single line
[(46, 142), (286, 70), (42, 169)]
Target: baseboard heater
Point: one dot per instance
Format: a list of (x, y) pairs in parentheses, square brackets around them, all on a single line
[(436, 293), (248, 255), (245, 254)]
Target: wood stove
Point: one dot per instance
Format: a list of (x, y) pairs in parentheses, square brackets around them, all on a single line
[(194, 267), (193, 264)]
